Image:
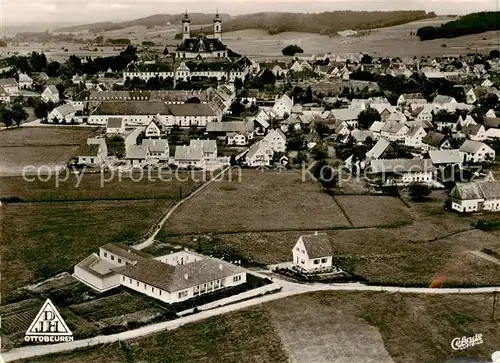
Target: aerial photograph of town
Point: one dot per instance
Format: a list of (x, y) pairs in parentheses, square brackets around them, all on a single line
[(250, 182)]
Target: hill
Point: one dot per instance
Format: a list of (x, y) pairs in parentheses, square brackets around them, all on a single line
[(322, 23), (466, 25)]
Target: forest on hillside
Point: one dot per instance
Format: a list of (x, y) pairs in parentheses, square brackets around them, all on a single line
[(466, 25), (323, 23), (326, 23)]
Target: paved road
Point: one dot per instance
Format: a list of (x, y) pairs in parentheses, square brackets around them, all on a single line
[(289, 289)]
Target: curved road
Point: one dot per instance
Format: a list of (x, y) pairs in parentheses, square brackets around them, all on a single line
[(289, 289)]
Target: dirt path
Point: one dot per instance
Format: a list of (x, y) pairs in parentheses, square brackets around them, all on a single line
[(486, 257)]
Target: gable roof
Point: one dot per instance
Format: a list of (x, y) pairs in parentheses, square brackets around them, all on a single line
[(434, 138), (345, 114), (230, 126), (414, 130), (257, 147), (156, 145), (6, 82), (191, 109), (441, 99), (90, 150), (377, 126), (52, 89), (402, 165), (317, 245), (492, 122), (173, 278), (472, 129), (185, 152), (378, 149), (476, 190), (115, 122), (208, 146), (472, 147), (66, 109), (393, 127), (125, 251), (136, 152), (445, 156), (131, 108)]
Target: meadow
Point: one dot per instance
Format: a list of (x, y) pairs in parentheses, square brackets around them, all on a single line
[(40, 240), (259, 202), (37, 146), (323, 326)]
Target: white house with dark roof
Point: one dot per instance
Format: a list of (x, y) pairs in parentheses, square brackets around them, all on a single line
[(187, 156), (476, 196), (442, 158), (153, 130), (476, 151), (414, 136), (115, 125), (63, 114), (50, 94), (171, 278), (276, 139), (209, 148), (313, 253), (475, 132), (4, 96), (137, 155), (435, 141), (259, 154), (283, 106), (394, 131), (404, 171), (10, 85), (158, 149), (94, 153), (25, 81)]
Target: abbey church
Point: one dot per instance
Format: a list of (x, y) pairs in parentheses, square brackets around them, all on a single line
[(201, 47)]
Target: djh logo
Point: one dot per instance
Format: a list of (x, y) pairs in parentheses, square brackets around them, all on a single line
[(48, 326)]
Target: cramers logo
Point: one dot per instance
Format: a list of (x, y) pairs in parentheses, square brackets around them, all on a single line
[(466, 342), (48, 326)]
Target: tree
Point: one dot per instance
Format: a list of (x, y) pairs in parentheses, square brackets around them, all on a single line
[(322, 129), (267, 77), (233, 161), (165, 51), (320, 152), (367, 117), (366, 59), (237, 108), (495, 54), (309, 95), (41, 110), (6, 116), (300, 158), (193, 100), (18, 114), (291, 50), (419, 191), (238, 83)]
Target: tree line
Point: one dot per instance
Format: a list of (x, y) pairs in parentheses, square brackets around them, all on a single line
[(469, 24), (323, 23)]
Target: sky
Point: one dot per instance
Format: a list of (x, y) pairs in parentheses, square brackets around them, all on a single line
[(26, 12)]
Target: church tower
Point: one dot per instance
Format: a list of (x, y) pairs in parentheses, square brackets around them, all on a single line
[(186, 27), (217, 26)]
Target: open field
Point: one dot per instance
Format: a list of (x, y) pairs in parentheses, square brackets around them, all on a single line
[(43, 136), (108, 186), (41, 240), (38, 146), (321, 327), (382, 256), (393, 41), (369, 211), (245, 337), (260, 201)]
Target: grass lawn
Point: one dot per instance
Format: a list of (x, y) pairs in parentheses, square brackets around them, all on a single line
[(43, 136), (25, 146), (245, 336), (96, 186), (41, 240), (320, 327), (369, 211), (260, 201)]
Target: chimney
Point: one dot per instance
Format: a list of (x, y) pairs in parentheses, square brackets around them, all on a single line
[(186, 276), (220, 266)]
